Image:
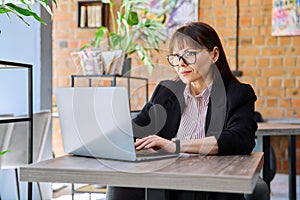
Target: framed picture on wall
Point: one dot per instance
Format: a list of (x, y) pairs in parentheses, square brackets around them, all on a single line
[(286, 17), (175, 13)]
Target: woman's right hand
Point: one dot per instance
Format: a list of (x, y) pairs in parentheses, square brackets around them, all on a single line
[(155, 142)]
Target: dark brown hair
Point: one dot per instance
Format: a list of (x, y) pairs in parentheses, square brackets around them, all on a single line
[(201, 35)]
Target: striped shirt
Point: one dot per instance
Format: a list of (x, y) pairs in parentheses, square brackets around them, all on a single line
[(192, 124)]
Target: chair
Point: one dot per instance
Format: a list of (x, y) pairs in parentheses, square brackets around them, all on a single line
[(19, 148), (272, 170), (261, 190)]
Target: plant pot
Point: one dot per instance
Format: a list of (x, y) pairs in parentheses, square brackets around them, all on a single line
[(126, 66)]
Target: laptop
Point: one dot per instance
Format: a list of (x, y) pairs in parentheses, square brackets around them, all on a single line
[(96, 122)]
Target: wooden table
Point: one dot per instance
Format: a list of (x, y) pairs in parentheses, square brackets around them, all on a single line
[(278, 129), (236, 174)]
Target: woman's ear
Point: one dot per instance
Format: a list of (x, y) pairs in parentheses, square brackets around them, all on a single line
[(215, 54)]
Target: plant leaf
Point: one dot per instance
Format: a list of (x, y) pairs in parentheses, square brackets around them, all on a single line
[(115, 40), (17, 14), (101, 31), (3, 10), (133, 18), (4, 152), (87, 46), (44, 3), (25, 12)]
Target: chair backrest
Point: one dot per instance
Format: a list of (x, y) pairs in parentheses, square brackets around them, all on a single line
[(272, 171), (18, 142), (5, 135)]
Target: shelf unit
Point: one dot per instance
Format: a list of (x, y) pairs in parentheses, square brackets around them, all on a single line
[(113, 82), (92, 14), (29, 117)]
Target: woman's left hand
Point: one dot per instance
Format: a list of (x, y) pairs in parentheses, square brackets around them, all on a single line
[(155, 142)]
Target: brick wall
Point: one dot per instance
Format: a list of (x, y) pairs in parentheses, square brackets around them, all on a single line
[(270, 64), (67, 38)]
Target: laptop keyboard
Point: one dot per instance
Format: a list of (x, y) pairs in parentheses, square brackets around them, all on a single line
[(150, 152)]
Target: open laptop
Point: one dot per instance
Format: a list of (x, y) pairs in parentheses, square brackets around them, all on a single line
[(96, 122)]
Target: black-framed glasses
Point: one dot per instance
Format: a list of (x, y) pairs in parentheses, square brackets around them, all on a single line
[(189, 58)]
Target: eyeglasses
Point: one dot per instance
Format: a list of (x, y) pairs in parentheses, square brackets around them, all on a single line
[(189, 58)]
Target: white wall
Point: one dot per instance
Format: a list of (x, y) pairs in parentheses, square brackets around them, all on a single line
[(19, 43), (14, 91), (31, 45)]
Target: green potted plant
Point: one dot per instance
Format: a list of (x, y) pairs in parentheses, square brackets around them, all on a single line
[(25, 10), (134, 30)]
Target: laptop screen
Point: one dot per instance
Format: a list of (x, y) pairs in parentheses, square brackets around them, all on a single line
[(96, 121)]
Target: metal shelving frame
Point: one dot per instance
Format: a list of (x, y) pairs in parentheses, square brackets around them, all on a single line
[(113, 81), (29, 118)]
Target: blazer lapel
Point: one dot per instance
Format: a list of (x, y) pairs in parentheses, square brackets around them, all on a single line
[(216, 112), (177, 93)]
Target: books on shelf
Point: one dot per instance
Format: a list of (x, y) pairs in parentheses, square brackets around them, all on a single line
[(90, 16)]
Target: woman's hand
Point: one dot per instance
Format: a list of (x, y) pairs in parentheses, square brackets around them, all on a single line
[(155, 142)]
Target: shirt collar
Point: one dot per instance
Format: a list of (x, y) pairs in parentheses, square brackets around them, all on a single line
[(205, 94)]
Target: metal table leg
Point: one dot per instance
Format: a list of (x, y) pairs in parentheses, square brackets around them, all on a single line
[(156, 194), (266, 167), (29, 192), (292, 167)]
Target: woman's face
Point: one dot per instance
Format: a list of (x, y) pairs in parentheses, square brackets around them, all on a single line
[(194, 64)]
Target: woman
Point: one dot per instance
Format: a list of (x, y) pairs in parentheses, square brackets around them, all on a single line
[(208, 109)]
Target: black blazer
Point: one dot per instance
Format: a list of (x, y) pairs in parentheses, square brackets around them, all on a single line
[(230, 115)]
